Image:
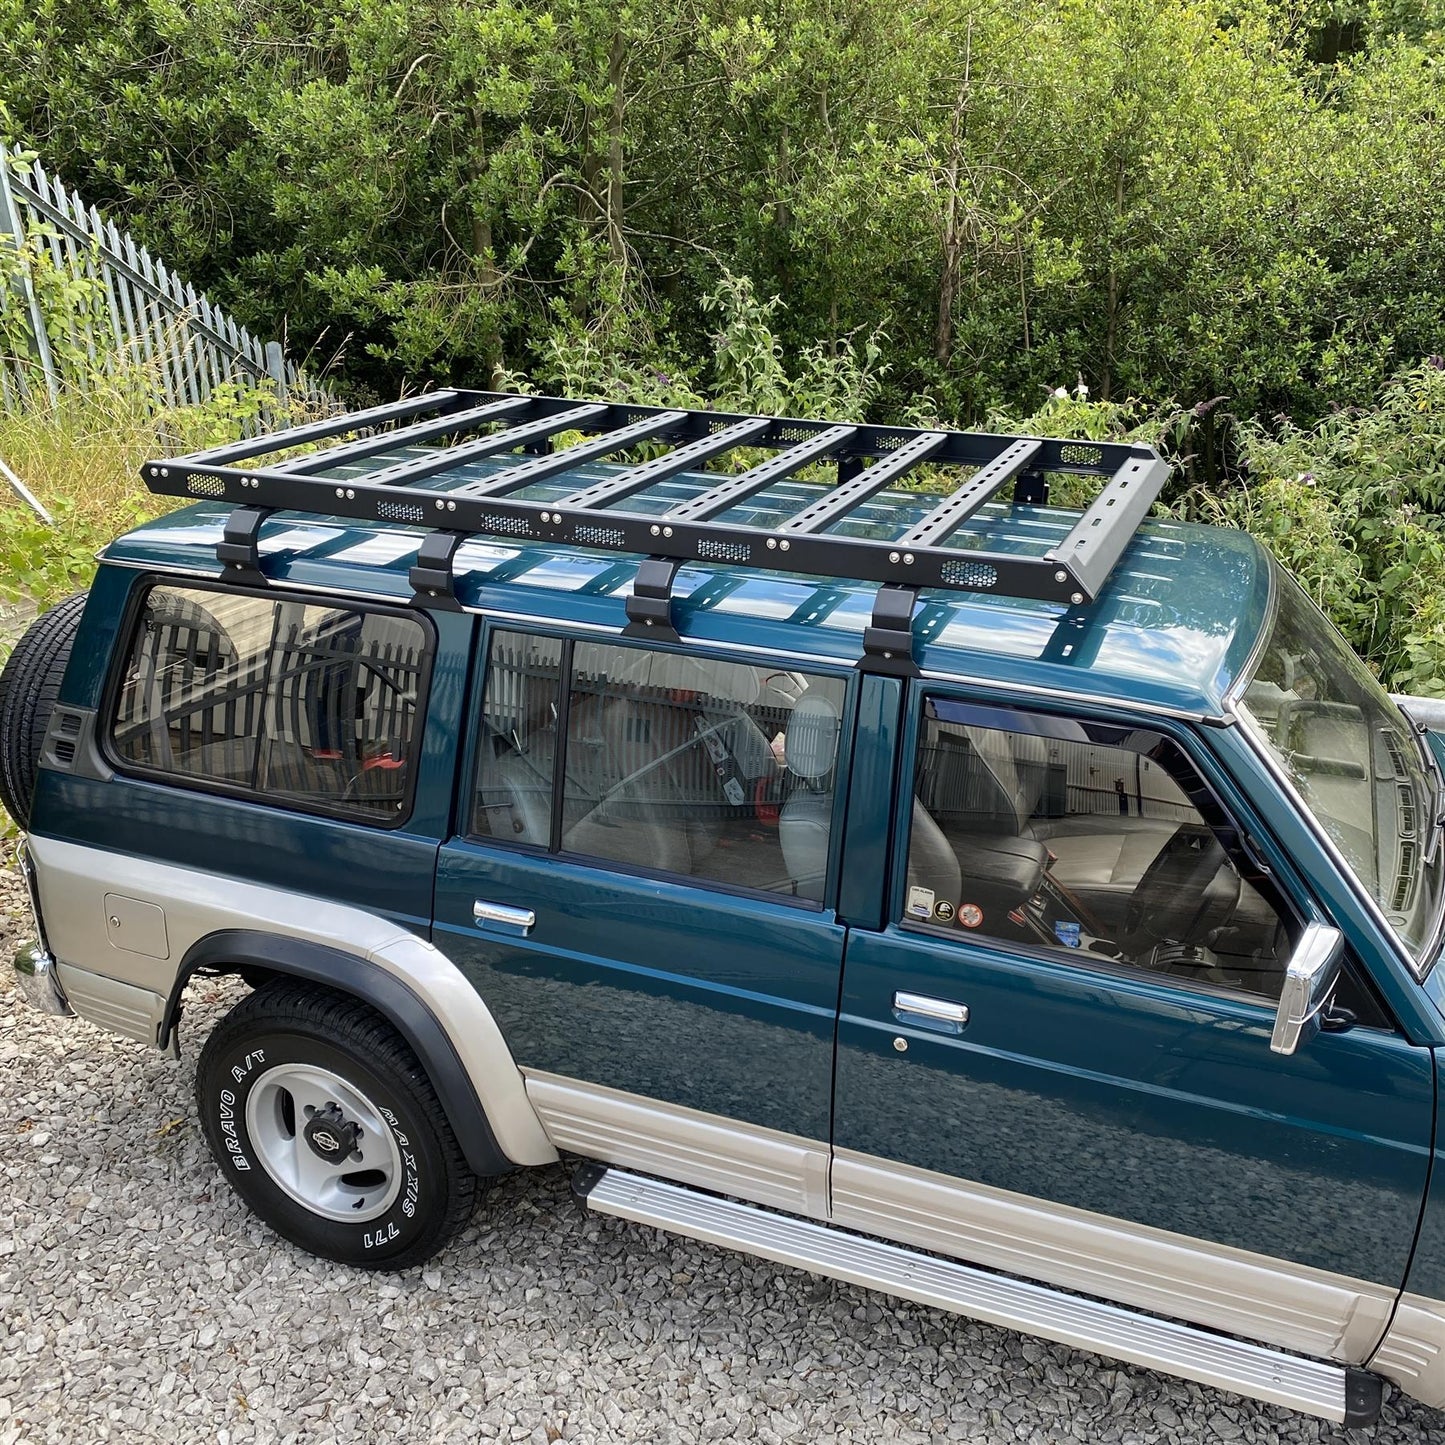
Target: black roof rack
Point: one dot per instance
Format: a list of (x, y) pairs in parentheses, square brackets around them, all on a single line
[(413, 462)]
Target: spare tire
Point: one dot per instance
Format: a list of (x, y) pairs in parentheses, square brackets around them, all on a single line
[(29, 687)]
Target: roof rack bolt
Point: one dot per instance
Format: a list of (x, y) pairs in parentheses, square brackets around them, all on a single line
[(1061, 575), (1077, 598), (908, 559), (165, 471), (451, 506), (350, 494), (441, 505), (655, 529), (667, 531), (893, 557), (772, 544), (783, 546)]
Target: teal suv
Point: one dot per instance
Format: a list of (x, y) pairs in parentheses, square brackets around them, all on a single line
[(843, 853)]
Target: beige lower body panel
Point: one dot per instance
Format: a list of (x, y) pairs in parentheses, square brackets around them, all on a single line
[(107, 1002), (742, 1160), (1288, 1305), (117, 987), (1413, 1353)]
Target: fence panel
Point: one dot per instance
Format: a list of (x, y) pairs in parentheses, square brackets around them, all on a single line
[(137, 313)]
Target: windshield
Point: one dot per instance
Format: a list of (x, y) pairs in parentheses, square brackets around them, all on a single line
[(1356, 762)]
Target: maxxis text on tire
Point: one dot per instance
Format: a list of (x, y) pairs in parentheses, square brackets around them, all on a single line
[(29, 687), (296, 1033)]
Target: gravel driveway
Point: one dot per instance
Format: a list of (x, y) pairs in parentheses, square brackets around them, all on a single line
[(139, 1301)]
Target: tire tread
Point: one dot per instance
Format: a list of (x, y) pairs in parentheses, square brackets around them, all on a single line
[(340, 1019), (29, 689)]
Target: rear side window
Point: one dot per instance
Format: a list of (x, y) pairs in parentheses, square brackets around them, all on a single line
[(312, 705), (703, 767)]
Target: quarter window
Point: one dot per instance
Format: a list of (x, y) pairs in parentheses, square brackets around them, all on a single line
[(1096, 842), (311, 705), (689, 765)]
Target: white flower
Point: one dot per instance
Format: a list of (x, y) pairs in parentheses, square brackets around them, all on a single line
[(1081, 391), (1062, 393)]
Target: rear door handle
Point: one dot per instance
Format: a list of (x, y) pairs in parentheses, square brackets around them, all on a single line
[(522, 919), (939, 1010)]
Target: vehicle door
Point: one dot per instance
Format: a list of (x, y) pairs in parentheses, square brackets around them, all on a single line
[(1054, 1056), (642, 891)]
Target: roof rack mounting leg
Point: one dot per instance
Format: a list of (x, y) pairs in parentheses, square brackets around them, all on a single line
[(649, 606), (1031, 490), (433, 582), (888, 638), (239, 549)]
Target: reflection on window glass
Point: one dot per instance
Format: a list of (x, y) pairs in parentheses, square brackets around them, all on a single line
[(1353, 760), (519, 739), (689, 765), (311, 704), (1085, 839)]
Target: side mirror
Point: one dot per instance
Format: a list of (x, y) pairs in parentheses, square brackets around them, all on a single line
[(1314, 969)]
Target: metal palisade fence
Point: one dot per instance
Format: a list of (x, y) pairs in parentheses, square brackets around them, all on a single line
[(80, 300)]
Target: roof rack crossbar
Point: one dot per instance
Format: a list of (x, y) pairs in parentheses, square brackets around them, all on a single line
[(315, 431), (523, 475), (841, 500), (422, 431), (962, 503), (736, 489), (638, 479), (513, 437)]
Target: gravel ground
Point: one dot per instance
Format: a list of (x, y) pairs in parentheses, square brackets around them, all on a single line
[(139, 1301)]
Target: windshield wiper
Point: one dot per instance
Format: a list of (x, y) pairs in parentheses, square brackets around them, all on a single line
[(1437, 792)]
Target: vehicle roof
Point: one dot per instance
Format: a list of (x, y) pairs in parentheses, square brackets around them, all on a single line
[(1172, 628)]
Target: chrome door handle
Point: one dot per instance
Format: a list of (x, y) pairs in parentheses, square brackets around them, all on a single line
[(522, 919), (931, 1008)]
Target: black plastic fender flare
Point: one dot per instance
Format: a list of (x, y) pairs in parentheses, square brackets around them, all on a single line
[(232, 950)]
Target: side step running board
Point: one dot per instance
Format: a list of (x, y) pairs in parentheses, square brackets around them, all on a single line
[(1335, 1392)]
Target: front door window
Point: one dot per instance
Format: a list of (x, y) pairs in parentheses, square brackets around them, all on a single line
[(1087, 839)]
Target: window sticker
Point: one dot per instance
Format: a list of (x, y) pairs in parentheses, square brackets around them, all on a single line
[(943, 911), (1069, 934), (920, 902), (970, 915)]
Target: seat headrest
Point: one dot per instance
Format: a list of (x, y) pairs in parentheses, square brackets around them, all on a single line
[(810, 743)]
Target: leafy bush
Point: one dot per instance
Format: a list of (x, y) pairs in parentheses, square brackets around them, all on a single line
[(1353, 505)]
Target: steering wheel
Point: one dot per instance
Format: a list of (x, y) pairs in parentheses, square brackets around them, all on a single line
[(1188, 891)]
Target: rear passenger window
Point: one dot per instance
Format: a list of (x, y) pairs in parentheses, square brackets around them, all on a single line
[(1099, 842), (702, 767), (316, 706)]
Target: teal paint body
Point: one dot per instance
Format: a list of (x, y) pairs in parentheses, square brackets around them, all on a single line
[(1117, 1094)]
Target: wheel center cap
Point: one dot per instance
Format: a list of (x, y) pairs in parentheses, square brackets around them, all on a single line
[(331, 1135)]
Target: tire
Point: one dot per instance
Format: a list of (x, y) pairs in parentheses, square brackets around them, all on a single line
[(29, 687), (293, 1051)]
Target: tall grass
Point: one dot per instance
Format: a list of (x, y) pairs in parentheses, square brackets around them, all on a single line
[(82, 458)]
